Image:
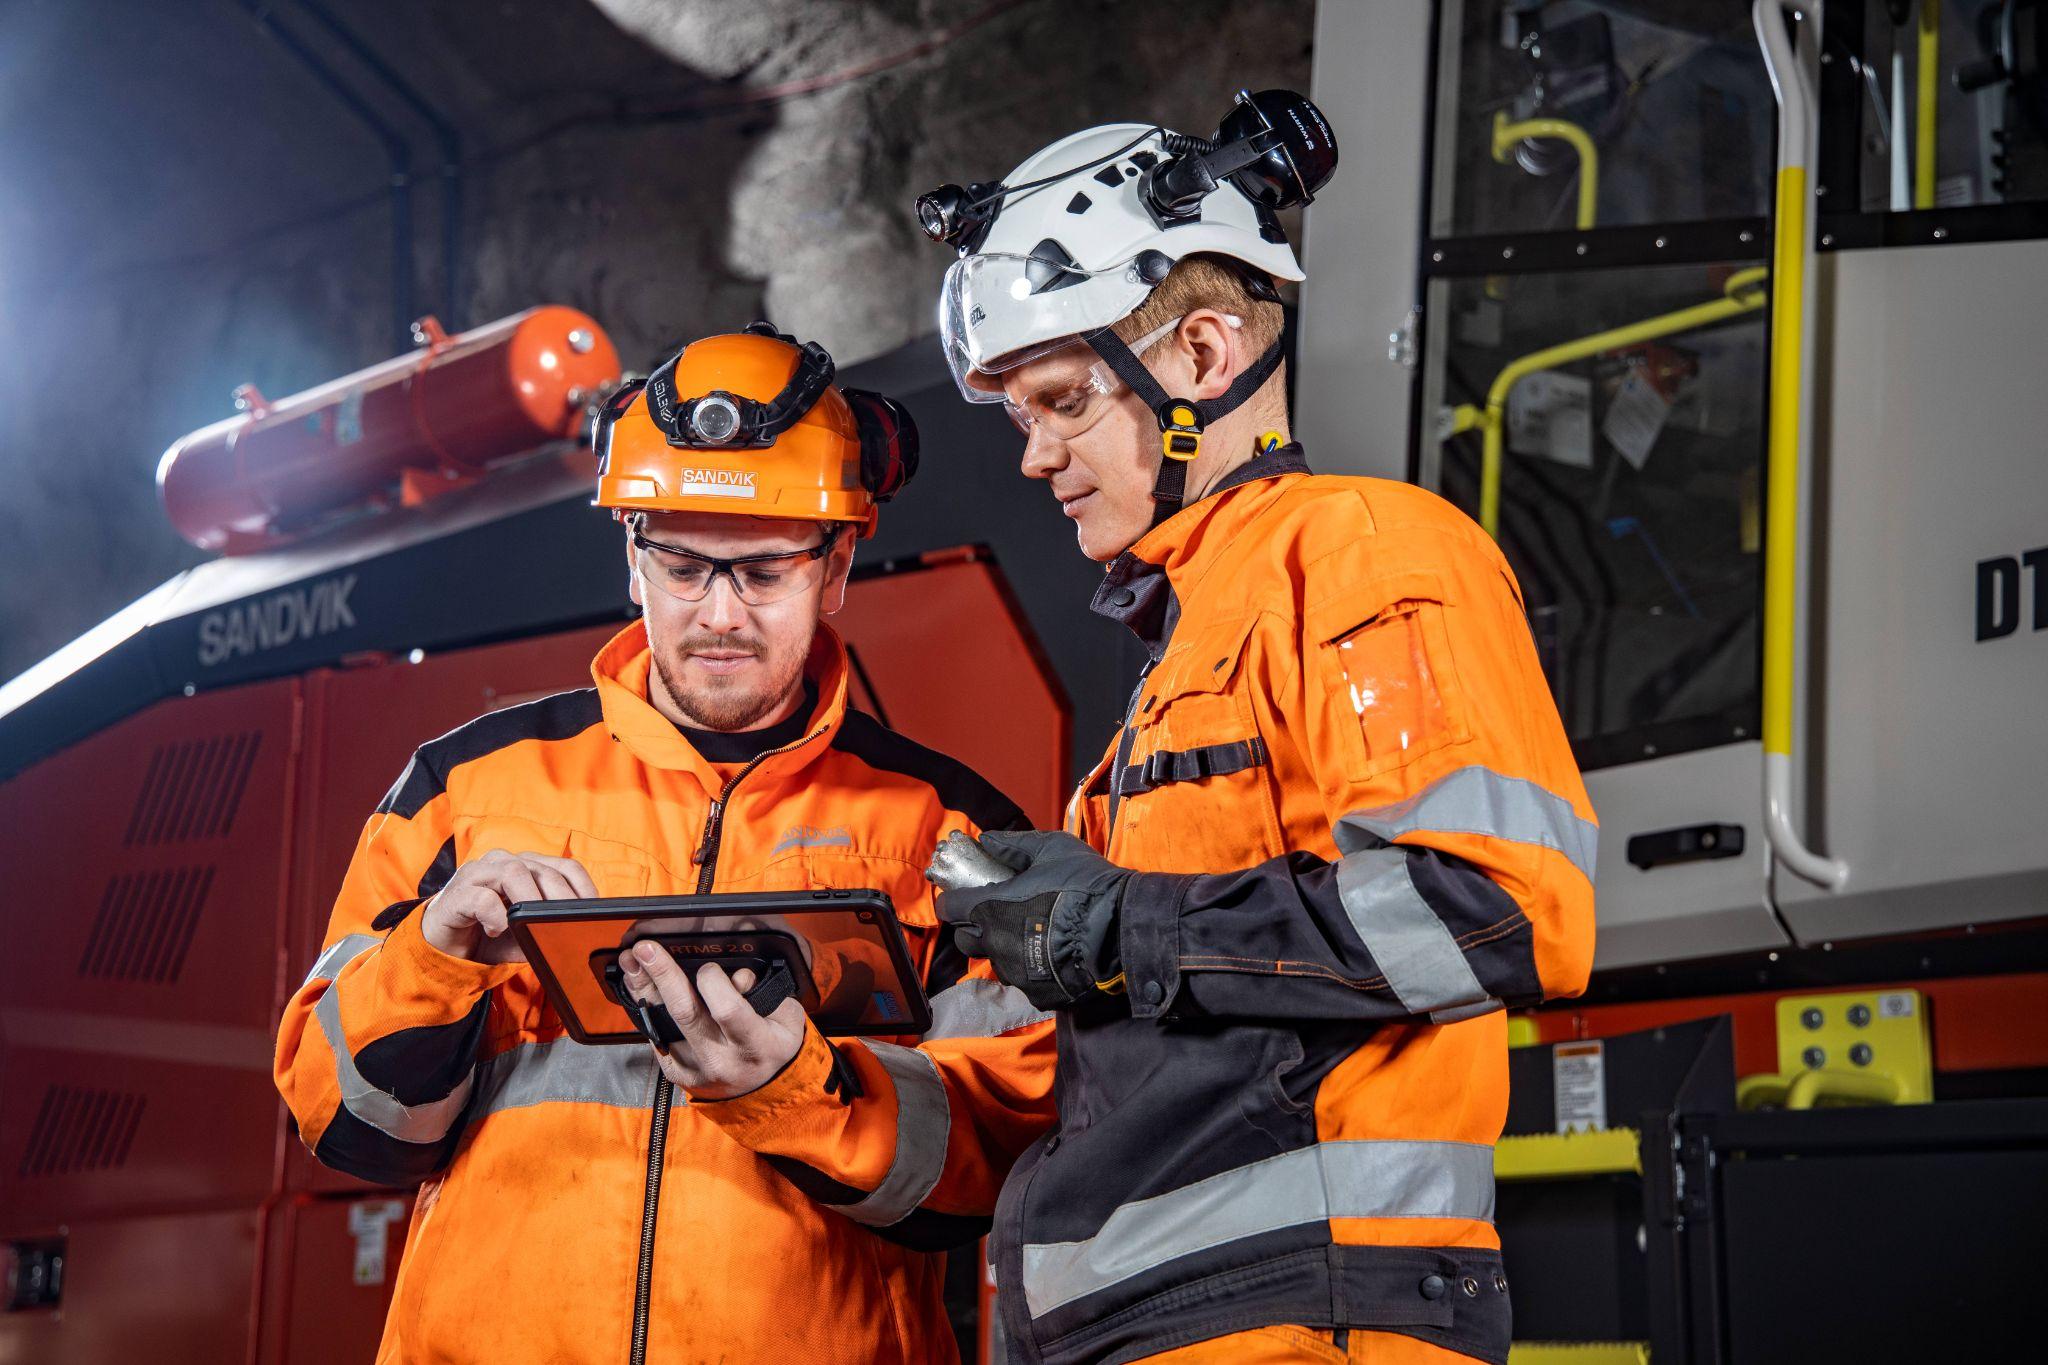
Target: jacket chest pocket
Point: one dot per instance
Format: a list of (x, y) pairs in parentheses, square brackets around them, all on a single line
[(1390, 685), (1196, 792)]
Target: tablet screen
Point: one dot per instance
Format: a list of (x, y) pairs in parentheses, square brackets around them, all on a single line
[(844, 951)]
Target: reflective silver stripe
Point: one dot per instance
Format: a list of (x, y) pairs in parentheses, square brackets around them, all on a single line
[(1329, 1180), (1424, 967), (344, 951), (1477, 800), (564, 1071), (979, 1008), (923, 1123), (421, 1123)]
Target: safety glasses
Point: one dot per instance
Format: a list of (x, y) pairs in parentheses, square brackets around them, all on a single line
[(1066, 406), (757, 579)]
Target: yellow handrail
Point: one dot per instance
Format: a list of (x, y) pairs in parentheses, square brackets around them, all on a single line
[(1790, 68), (1808, 1089), (1506, 135), (1743, 293), (1927, 85)]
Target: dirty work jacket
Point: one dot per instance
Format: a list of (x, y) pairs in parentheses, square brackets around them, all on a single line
[(1344, 739), (544, 1230)]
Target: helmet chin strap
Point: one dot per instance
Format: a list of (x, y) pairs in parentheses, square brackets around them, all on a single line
[(1181, 420)]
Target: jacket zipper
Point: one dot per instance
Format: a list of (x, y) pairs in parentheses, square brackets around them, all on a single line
[(706, 858)]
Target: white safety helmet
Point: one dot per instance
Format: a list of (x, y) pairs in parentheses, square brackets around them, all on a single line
[(1064, 259), (1080, 234)]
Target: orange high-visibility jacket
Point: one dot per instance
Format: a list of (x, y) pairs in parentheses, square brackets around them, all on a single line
[(545, 1231), (1345, 740)]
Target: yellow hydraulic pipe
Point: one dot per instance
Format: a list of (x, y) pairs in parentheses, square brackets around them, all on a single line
[(1506, 135), (1926, 87), (1743, 293)]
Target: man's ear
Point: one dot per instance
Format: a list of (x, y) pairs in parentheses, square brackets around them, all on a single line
[(838, 564), (633, 574), (1213, 351)]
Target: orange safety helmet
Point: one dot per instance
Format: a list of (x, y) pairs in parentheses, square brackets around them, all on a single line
[(751, 424)]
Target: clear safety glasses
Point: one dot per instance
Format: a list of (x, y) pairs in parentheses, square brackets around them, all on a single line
[(1078, 394), (758, 579)]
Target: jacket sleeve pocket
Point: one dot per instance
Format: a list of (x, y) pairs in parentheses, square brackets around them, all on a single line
[(1383, 660)]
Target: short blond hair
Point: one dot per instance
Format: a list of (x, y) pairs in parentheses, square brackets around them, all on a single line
[(1207, 282)]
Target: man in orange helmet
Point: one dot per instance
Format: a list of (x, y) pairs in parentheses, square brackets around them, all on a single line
[(570, 1207)]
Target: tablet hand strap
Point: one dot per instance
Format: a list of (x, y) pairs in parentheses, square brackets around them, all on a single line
[(658, 1026), (778, 986)]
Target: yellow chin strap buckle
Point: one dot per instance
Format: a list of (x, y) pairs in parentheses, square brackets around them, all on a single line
[(1180, 430)]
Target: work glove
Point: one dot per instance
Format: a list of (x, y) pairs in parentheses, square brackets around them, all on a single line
[(1051, 930)]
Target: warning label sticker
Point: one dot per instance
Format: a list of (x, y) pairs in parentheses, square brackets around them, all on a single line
[(1550, 415), (368, 1224), (1579, 1074)]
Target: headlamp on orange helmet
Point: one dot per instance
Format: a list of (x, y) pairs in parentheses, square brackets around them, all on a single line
[(751, 424)]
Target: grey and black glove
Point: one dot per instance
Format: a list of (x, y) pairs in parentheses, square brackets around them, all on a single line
[(1051, 930)]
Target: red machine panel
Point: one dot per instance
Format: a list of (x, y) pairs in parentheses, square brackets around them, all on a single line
[(329, 1297), (146, 871), (169, 1290), (943, 654)]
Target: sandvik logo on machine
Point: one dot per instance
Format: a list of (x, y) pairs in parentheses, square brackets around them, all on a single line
[(274, 621)]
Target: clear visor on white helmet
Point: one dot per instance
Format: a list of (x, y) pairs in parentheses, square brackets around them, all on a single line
[(1000, 310)]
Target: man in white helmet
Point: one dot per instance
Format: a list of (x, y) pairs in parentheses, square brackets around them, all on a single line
[(1339, 830)]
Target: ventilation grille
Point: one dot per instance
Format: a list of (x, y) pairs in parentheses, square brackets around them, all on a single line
[(145, 925), (79, 1129), (192, 790)]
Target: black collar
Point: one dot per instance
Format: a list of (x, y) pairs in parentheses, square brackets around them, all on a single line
[(1270, 464), (741, 746)]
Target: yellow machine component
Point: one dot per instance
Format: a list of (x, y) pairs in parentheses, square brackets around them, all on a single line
[(1744, 292), (1556, 1156), (1852, 1047), (1506, 135), (1927, 87), (1522, 1031), (1579, 1353)]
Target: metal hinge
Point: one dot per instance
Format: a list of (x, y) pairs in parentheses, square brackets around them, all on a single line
[(1401, 341)]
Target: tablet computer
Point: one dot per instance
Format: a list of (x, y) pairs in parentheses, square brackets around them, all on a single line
[(841, 953)]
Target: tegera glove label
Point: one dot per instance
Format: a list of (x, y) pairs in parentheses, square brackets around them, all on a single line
[(1037, 960)]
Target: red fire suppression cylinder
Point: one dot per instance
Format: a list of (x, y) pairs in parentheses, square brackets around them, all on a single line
[(449, 410)]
